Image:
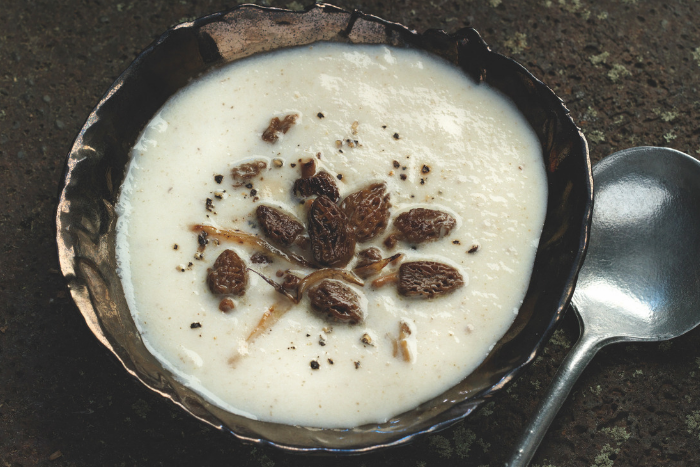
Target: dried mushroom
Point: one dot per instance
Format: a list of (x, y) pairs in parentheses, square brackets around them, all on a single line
[(424, 225), (308, 168), (375, 267), (227, 305), (406, 343), (282, 229), (323, 274), (368, 256), (337, 301), (321, 184), (243, 173), (277, 126), (332, 237), (229, 275), (428, 279), (244, 238), (368, 211), (291, 282), (294, 287)]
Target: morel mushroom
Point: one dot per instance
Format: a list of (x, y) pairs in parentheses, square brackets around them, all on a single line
[(282, 229), (243, 173), (277, 126), (332, 237), (308, 168), (320, 184), (368, 256), (337, 301), (424, 225), (428, 279), (229, 275), (372, 268), (368, 211)]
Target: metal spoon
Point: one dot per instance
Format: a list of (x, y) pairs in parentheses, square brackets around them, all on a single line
[(641, 277)]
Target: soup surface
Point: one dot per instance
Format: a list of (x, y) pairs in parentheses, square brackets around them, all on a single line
[(398, 120)]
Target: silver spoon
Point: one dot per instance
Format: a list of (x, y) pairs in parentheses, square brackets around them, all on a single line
[(641, 277)]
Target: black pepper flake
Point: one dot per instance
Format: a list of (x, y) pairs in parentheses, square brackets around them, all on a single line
[(308, 335), (339, 176), (249, 185), (403, 176), (318, 155), (455, 242), (175, 247), (293, 165), (253, 192), (210, 205), (340, 151), (322, 343), (396, 136), (473, 249), (357, 365), (396, 164), (330, 360), (218, 178), (422, 181), (425, 169), (195, 325), (384, 126), (314, 365), (320, 115), (202, 239)]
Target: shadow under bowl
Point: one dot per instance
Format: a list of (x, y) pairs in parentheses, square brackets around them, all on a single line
[(97, 162)]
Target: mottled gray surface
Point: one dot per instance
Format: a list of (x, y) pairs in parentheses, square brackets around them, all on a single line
[(629, 70)]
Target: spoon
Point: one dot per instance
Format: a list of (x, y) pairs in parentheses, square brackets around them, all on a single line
[(640, 280)]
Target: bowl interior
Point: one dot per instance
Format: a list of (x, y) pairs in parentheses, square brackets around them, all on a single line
[(97, 162)]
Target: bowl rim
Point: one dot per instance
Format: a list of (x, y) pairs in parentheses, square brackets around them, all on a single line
[(83, 297)]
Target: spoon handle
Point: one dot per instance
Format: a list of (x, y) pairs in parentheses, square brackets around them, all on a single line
[(569, 371)]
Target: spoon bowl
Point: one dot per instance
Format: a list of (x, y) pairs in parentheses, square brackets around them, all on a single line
[(640, 280), (641, 275)]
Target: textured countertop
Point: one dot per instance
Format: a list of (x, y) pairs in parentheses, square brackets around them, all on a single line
[(629, 71)]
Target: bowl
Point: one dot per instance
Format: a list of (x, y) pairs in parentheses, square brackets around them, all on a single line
[(95, 170)]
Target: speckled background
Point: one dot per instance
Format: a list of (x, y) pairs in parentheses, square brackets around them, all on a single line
[(629, 70)]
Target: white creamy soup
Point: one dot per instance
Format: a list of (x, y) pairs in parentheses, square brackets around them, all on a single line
[(366, 116)]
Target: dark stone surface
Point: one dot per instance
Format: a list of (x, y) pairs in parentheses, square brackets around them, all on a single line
[(629, 70)]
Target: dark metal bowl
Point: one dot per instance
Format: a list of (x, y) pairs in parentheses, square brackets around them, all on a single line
[(95, 170)]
